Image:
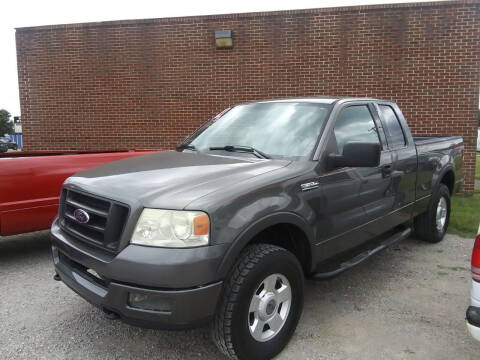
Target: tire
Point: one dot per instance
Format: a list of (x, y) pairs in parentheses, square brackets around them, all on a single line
[(426, 224), (258, 267)]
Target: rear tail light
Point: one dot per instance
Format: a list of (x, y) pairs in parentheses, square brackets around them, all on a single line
[(463, 157), (476, 259)]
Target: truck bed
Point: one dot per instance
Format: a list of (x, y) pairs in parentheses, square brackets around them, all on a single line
[(433, 153), (428, 140)]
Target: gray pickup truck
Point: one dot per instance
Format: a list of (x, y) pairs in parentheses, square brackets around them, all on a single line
[(225, 228)]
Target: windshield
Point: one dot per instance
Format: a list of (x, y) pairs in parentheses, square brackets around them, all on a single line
[(285, 129)]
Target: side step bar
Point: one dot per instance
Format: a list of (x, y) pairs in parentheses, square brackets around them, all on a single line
[(364, 255)]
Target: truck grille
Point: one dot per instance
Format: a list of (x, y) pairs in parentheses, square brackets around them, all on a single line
[(106, 219)]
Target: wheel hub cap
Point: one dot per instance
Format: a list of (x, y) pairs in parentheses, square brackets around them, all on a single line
[(441, 217), (269, 307)]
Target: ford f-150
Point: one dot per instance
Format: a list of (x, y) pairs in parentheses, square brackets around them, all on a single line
[(224, 228)]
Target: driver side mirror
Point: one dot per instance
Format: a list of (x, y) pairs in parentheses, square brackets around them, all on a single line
[(356, 154)]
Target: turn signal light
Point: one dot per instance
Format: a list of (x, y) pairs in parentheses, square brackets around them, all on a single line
[(201, 225)]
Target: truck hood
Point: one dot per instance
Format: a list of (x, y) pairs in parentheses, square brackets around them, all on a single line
[(169, 179)]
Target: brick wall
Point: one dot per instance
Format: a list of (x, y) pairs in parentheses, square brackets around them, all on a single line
[(149, 83)]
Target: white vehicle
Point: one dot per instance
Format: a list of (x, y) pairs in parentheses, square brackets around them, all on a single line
[(473, 312)]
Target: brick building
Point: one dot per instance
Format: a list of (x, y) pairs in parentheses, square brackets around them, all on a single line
[(148, 83)]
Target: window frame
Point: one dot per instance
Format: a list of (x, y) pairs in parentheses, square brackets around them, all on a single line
[(372, 112), (321, 151)]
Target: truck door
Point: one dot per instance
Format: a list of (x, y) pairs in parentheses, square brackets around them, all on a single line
[(376, 192), (404, 155), (352, 190)]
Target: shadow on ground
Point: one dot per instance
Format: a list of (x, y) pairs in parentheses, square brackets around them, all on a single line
[(13, 248)]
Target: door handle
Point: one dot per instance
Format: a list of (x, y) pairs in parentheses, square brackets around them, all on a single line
[(386, 170)]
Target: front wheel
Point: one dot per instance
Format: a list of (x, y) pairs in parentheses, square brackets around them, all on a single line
[(261, 305), (432, 225)]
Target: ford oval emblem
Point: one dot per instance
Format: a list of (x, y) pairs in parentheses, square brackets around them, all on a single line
[(81, 216)]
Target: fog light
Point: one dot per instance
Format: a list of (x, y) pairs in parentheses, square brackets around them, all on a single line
[(147, 301)]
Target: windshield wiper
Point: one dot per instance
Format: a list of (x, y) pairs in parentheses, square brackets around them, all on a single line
[(237, 148), (185, 146)]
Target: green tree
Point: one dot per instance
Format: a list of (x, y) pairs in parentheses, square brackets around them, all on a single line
[(6, 126)]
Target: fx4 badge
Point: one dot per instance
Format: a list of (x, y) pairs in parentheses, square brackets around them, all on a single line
[(310, 185)]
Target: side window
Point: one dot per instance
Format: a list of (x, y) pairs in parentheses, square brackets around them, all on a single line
[(355, 123), (394, 132)]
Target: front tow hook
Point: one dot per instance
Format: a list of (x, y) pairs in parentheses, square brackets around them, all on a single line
[(110, 314)]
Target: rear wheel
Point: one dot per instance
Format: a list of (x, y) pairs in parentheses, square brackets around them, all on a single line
[(261, 305), (432, 225)]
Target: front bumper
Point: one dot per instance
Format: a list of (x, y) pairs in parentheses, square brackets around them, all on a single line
[(182, 281)]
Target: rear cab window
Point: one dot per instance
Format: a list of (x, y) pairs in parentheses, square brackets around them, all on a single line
[(393, 129)]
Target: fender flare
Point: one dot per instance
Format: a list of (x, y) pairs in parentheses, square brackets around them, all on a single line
[(242, 240), (442, 173)]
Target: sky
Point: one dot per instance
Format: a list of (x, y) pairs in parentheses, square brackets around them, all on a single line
[(20, 13)]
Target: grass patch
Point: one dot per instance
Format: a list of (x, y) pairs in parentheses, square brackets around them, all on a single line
[(465, 214)]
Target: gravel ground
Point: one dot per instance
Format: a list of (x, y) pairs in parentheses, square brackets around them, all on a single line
[(408, 302)]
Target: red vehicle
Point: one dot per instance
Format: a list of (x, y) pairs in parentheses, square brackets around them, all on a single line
[(30, 184)]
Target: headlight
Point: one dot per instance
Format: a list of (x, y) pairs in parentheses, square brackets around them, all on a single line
[(172, 228)]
